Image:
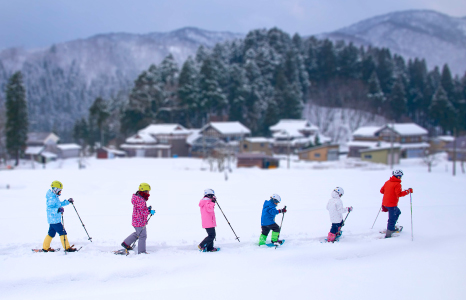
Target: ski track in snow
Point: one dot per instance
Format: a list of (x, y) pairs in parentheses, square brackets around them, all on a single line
[(362, 265)]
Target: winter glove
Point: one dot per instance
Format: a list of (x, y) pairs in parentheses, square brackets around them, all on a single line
[(71, 200), (410, 190), (61, 210), (350, 209), (152, 212), (283, 210), (213, 199), (384, 209)]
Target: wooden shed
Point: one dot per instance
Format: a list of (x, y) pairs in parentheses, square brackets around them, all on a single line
[(320, 153), (257, 160)]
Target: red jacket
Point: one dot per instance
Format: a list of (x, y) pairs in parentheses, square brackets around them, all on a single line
[(391, 191), (140, 211)]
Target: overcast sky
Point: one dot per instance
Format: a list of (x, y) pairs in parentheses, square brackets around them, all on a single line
[(40, 23)]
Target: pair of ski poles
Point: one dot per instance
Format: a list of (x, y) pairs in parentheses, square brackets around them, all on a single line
[(63, 222), (411, 205)]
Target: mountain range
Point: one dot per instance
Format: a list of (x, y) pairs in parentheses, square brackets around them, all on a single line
[(64, 79)]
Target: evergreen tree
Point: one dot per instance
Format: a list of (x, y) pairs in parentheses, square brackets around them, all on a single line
[(385, 70), (237, 94), (446, 81), (397, 100), (442, 111), (98, 115), (212, 98), (17, 116), (367, 65), (349, 66), (189, 93), (169, 71), (375, 94), (81, 133), (326, 60)]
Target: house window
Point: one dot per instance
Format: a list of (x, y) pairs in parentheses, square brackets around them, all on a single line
[(403, 140), (262, 145), (368, 156), (245, 146), (316, 154)]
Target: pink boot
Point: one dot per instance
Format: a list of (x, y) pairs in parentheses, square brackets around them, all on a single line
[(331, 237)]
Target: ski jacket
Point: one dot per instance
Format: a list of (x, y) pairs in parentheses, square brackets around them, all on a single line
[(140, 211), (335, 208), (53, 204), (207, 213), (269, 212), (391, 191)]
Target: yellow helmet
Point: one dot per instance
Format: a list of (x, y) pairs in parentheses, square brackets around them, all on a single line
[(144, 187), (57, 184)]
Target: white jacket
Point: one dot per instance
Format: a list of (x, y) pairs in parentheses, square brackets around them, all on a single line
[(335, 208)]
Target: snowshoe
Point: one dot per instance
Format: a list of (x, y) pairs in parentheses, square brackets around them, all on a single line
[(398, 229), (275, 244), (121, 252), (126, 246), (213, 250), (202, 249), (48, 250), (71, 249)]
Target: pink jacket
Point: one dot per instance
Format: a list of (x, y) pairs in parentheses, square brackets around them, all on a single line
[(207, 213), (140, 211)]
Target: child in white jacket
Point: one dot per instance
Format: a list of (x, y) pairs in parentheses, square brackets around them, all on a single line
[(336, 211)]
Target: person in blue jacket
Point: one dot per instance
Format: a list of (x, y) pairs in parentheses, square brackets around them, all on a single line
[(54, 211), (269, 212)]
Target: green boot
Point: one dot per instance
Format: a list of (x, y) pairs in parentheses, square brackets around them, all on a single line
[(262, 239), (275, 236)]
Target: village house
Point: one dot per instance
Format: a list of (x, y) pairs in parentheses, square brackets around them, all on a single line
[(320, 153), (457, 149), (256, 145), (43, 147), (382, 154), (260, 160)]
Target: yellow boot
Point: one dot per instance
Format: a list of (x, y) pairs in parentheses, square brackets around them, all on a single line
[(67, 247), (46, 244)]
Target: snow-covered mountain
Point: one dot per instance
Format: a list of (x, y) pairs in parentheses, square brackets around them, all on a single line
[(437, 37), (65, 78)]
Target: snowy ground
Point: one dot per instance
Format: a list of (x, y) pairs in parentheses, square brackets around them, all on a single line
[(360, 266)]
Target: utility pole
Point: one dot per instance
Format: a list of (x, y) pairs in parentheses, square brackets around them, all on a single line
[(289, 142), (392, 152), (454, 152)]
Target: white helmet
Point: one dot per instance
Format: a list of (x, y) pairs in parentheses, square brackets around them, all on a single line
[(397, 173), (339, 191), (276, 198), (209, 192)]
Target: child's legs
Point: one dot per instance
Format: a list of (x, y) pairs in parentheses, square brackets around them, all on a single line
[(132, 237), (209, 240), (142, 233), (275, 231), (58, 228), (393, 214), (334, 228)]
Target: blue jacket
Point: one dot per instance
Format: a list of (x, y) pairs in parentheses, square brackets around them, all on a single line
[(268, 213), (53, 204)]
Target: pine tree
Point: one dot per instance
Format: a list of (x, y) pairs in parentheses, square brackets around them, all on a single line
[(98, 115), (349, 66), (237, 94), (326, 60), (397, 100), (385, 70), (189, 93), (17, 116), (81, 132), (212, 98), (447, 83), (442, 111), (375, 94)]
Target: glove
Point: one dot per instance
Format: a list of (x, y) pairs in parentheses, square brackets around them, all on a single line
[(152, 212), (410, 190), (350, 209), (214, 199), (71, 200), (283, 210), (384, 209), (61, 210)]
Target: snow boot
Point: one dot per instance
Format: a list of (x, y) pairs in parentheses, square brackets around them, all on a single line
[(201, 249), (262, 240), (67, 247), (126, 246), (331, 237), (213, 250), (46, 244), (389, 233), (275, 236)]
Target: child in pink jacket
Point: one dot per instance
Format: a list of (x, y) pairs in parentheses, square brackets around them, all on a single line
[(207, 205)]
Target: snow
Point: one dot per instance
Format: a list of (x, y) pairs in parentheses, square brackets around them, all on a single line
[(141, 137), (408, 129), (34, 150), (71, 146), (259, 140), (229, 127), (156, 129), (415, 145), (291, 127), (360, 266), (366, 131)]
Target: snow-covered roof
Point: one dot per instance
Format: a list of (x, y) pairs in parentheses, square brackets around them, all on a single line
[(159, 146), (379, 148), (371, 144), (258, 140), (446, 138), (293, 125), (228, 128), (195, 134), (415, 146), (366, 131), (141, 138), (41, 137), (34, 150), (114, 151), (48, 154), (156, 129), (407, 129), (71, 146)]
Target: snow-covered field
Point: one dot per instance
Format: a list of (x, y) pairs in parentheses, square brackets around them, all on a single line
[(360, 266)]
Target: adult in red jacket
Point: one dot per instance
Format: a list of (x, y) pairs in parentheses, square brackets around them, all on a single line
[(392, 192)]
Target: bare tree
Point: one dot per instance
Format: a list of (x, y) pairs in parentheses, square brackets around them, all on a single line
[(430, 158)]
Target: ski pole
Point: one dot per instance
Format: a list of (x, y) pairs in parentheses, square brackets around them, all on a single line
[(281, 223), (64, 236), (134, 243), (411, 202), (89, 238), (376, 217), (237, 238)]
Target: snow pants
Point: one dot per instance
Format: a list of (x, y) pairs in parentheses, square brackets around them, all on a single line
[(393, 214), (335, 227), (209, 240), (141, 234), (56, 228), (266, 229)]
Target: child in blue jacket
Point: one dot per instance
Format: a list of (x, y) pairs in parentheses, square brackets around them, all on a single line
[(54, 211), (269, 212)]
